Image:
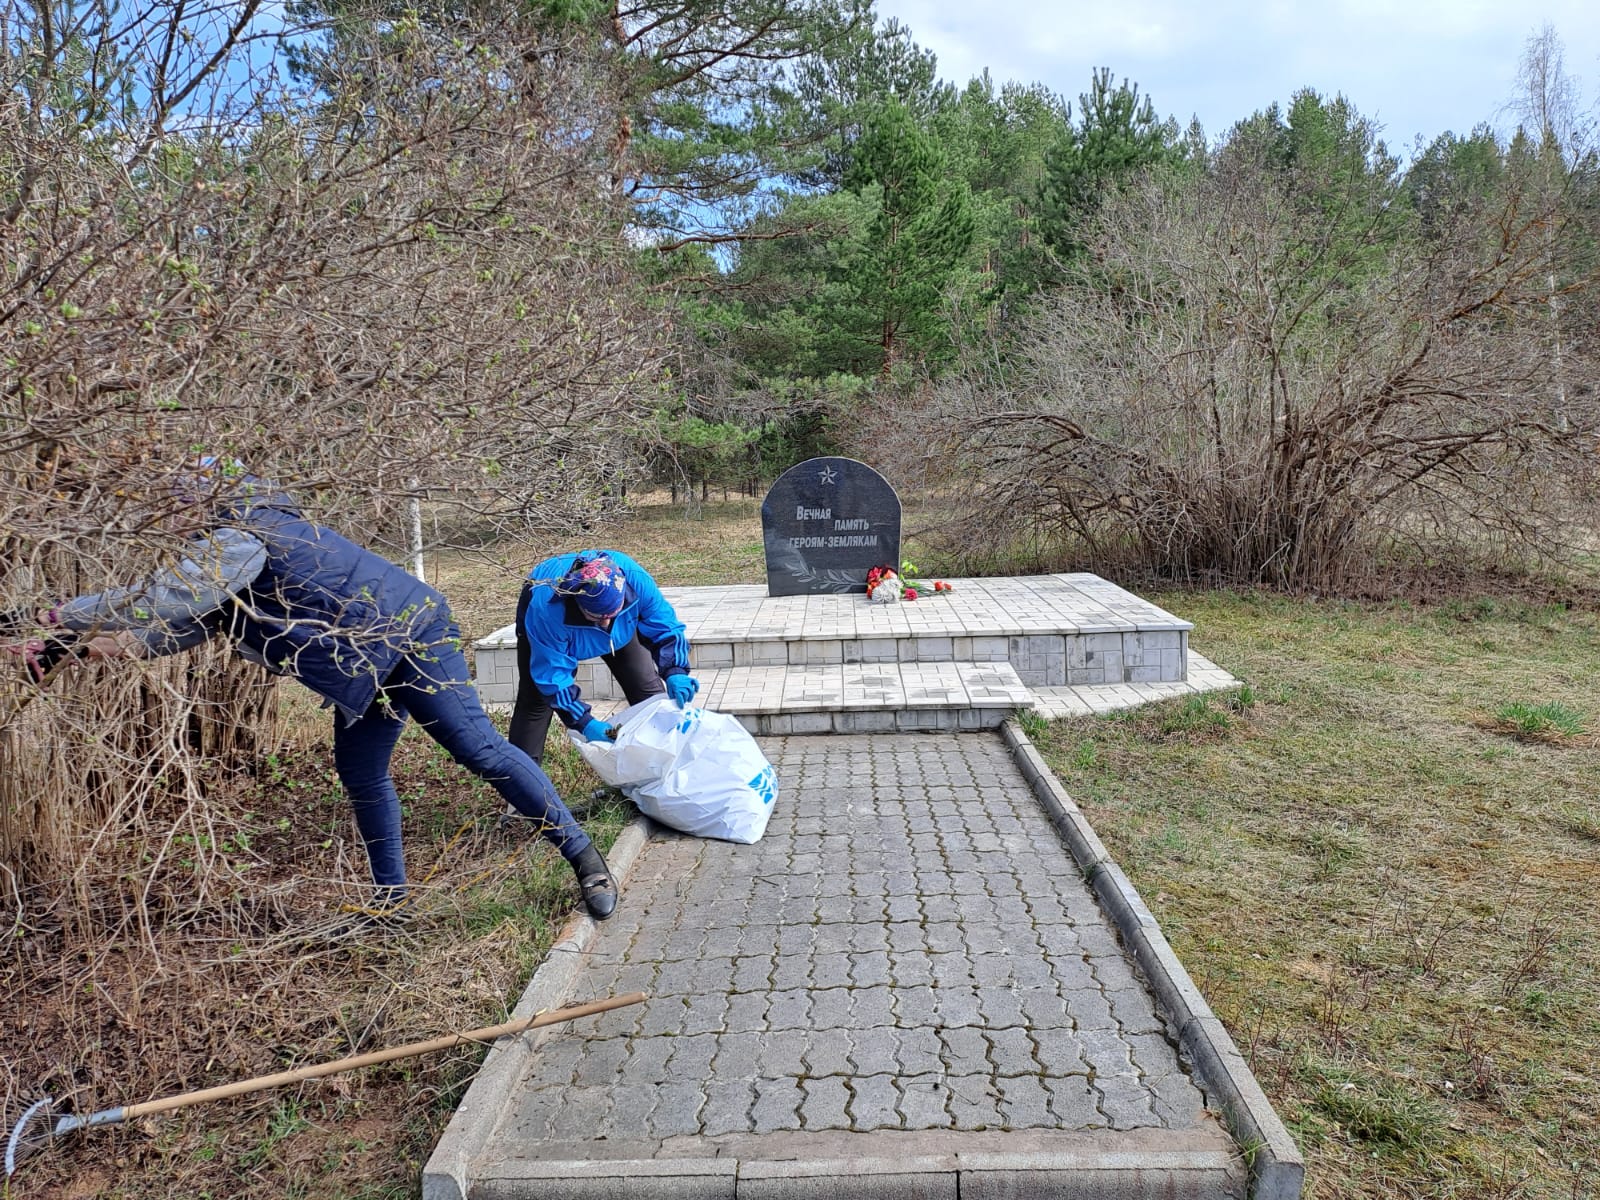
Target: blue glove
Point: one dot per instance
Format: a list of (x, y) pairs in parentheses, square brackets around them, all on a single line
[(682, 689), (596, 731)]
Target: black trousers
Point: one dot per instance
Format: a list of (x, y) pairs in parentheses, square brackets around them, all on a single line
[(632, 666)]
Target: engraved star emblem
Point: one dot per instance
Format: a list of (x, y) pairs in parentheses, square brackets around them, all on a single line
[(828, 476)]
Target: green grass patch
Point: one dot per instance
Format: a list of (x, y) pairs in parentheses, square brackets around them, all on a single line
[(1540, 722), (1394, 906)]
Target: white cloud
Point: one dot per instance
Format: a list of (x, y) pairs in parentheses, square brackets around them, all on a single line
[(1418, 68)]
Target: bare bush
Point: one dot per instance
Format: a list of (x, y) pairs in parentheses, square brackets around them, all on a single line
[(409, 279), (1272, 375)]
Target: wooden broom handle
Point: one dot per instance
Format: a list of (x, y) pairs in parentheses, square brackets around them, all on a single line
[(448, 1042)]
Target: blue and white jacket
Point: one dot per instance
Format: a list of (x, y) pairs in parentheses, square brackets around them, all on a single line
[(560, 636)]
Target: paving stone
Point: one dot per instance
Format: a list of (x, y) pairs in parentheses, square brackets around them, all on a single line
[(789, 1009), (915, 1006), (790, 971), (965, 1051), (825, 1105), (871, 1007), (1011, 1051), (723, 940), (583, 1111), (974, 1102), (677, 1109), (706, 1013), (727, 1107), (1070, 971), (939, 908), (559, 1057), (830, 969), (646, 1063), (1152, 1054), (777, 1105), (923, 1102), (747, 1013), (782, 1053), (958, 1006), (829, 1056), (1043, 1008), (1105, 1051), (1059, 1052), (1175, 1100), (800, 939), (872, 1051), (629, 1117), (535, 1109), (737, 1056), (873, 1102), (663, 1014), (834, 909), (864, 939), (918, 1050), (1125, 1101), (1135, 1013), (1089, 1009), (676, 978), (601, 1062), (870, 968), (1073, 1102), (950, 970), (1000, 1008), (1024, 1103), (692, 1057), (830, 1009)]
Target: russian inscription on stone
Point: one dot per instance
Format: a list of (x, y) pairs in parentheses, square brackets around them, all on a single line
[(825, 523)]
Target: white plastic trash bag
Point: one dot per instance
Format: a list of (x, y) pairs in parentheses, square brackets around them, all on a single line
[(693, 769)]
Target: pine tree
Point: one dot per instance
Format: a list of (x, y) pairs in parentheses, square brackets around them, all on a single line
[(915, 241), (1117, 133)]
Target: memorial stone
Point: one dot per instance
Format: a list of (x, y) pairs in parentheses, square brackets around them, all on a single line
[(825, 523)]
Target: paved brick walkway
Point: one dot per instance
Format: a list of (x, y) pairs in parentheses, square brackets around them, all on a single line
[(909, 963)]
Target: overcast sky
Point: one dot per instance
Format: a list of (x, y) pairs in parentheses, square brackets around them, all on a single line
[(1416, 67)]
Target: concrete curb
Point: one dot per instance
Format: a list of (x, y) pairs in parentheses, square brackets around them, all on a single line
[(1277, 1170), (445, 1176), (944, 1164), (1068, 1174)]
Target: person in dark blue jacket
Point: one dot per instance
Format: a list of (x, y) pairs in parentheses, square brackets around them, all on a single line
[(592, 604), (375, 642)]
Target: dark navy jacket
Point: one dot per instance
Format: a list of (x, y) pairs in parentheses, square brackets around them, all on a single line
[(292, 595), (560, 636)]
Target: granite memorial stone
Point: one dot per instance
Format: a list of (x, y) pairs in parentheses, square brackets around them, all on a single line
[(825, 523)]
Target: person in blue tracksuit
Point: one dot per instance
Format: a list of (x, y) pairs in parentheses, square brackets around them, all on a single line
[(376, 643), (592, 604)]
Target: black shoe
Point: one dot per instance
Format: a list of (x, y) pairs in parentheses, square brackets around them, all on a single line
[(595, 882)]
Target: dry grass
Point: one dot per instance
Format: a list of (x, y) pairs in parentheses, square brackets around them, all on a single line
[(259, 987), (1395, 910)]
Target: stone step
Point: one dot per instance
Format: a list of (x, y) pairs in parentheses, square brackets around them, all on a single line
[(861, 697), (1055, 631)]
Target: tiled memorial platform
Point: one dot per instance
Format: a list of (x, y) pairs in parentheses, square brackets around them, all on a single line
[(961, 660), (908, 988)]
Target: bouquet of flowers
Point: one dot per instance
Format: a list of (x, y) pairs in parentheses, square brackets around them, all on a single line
[(885, 585)]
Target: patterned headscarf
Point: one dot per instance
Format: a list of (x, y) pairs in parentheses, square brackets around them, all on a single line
[(597, 585)]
